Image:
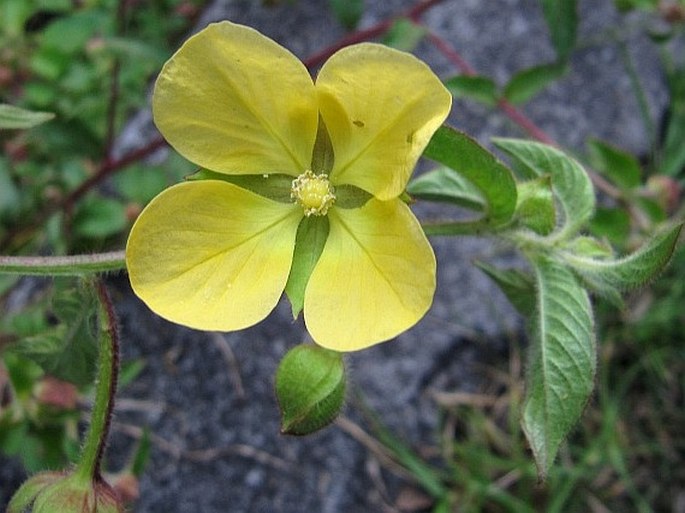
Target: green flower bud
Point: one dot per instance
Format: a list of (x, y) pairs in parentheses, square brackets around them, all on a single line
[(52, 492), (310, 386), (29, 490)]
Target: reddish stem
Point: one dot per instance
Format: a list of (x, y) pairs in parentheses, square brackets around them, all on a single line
[(372, 32)]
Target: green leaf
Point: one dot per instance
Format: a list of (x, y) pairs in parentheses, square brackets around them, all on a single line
[(634, 270), (348, 12), (620, 167), (309, 242), (12, 117), (446, 185), (517, 286), (627, 5), (404, 35), (493, 179), (612, 223), (140, 183), (10, 197), (561, 361), (310, 386), (562, 19), (67, 350), (529, 82), (99, 217), (570, 183), (535, 206), (673, 152), (476, 87)]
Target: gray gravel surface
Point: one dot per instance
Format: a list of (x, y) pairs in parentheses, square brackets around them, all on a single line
[(209, 398)]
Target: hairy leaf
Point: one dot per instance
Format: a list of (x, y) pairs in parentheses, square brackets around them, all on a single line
[(493, 179), (570, 183), (446, 185), (606, 276), (561, 361), (516, 284)]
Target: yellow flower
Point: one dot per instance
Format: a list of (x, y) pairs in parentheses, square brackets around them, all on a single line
[(212, 255)]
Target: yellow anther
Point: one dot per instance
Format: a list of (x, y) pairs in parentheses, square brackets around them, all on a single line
[(314, 192)]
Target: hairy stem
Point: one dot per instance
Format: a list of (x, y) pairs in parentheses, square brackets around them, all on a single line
[(75, 265), (89, 464)]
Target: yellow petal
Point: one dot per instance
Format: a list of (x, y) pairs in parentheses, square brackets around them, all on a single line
[(381, 107), (233, 101), (374, 279), (211, 255)]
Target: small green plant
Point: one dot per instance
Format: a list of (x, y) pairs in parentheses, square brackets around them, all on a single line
[(324, 217)]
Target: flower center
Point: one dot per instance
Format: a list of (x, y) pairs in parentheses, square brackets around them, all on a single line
[(313, 192)]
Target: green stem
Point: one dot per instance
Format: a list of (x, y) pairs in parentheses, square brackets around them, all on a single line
[(88, 467), (75, 265), (639, 91)]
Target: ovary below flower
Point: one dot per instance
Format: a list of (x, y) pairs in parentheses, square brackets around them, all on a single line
[(212, 255)]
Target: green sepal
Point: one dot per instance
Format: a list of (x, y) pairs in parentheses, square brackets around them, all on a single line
[(323, 156), (309, 243), (516, 284), (275, 186), (349, 196), (446, 185), (310, 386), (493, 179), (535, 205)]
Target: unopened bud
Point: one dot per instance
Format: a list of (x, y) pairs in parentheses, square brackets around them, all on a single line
[(53, 492), (310, 386)]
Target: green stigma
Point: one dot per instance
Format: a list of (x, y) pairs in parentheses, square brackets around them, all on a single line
[(314, 192)]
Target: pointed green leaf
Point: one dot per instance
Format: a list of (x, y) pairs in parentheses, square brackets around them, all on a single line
[(66, 350), (631, 271), (529, 82), (570, 183), (493, 179), (562, 19), (404, 35), (476, 87), (673, 159), (561, 361), (620, 167), (612, 223), (535, 205), (310, 386), (348, 12), (517, 286), (446, 185), (12, 117), (309, 242)]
